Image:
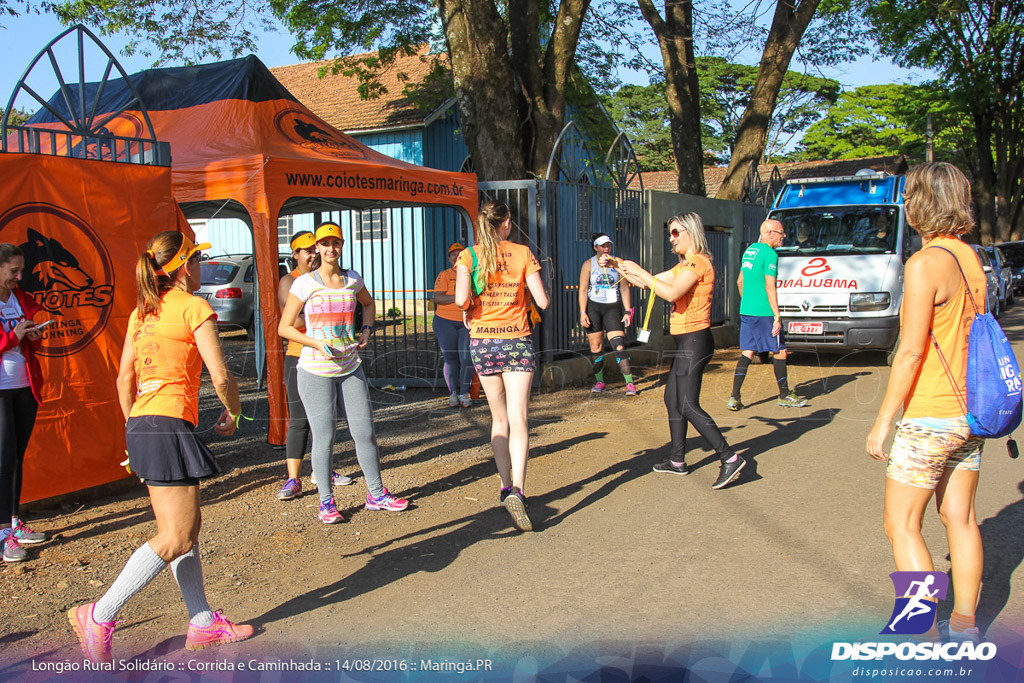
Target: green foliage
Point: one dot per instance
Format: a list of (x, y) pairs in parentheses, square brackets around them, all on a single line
[(725, 92), (642, 114), (394, 313), (18, 116), (877, 120), (641, 111), (173, 31)]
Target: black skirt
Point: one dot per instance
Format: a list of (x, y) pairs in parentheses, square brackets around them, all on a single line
[(167, 449)]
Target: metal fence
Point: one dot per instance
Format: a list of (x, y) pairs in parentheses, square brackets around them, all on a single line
[(557, 220)]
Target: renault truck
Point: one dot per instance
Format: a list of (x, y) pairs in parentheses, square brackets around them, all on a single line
[(840, 280)]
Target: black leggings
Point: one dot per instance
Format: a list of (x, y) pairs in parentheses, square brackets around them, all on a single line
[(682, 394), (298, 425), (17, 418)]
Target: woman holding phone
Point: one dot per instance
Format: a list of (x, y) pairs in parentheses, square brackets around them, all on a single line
[(21, 381), (330, 370)]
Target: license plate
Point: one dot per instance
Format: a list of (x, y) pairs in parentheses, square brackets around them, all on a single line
[(806, 328)]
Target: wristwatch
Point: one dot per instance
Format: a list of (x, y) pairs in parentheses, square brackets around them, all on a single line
[(367, 327)]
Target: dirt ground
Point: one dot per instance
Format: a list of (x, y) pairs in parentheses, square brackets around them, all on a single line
[(621, 555)]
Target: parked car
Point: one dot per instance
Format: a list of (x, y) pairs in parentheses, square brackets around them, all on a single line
[(227, 284), (992, 303), (285, 264), (1014, 253), (1001, 266)]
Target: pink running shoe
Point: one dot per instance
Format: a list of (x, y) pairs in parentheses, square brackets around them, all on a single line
[(597, 388), (386, 502), (329, 513), (630, 389), (221, 631), (93, 636)]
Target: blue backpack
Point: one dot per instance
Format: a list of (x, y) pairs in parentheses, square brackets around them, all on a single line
[(993, 405)]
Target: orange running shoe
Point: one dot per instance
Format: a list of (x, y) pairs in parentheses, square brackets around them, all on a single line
[(94, 636), (221, 631)]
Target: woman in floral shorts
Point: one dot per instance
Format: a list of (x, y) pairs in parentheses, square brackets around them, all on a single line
[(492, 279), (933, 451)]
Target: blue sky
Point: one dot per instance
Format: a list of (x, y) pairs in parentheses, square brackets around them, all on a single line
[(21, 39)]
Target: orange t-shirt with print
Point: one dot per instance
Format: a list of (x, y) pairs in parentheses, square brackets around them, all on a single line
[(445, 284), (168, 367), (501, 311), (692, 311)]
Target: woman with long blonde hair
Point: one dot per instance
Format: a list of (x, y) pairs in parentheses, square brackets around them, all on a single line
[(492, 279), (688, 286)]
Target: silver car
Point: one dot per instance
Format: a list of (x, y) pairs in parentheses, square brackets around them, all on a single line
[(992, 303), (1001, 265), (227, 284)]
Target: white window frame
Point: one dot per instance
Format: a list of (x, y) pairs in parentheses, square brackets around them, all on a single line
[(285, 228), (361, 218)]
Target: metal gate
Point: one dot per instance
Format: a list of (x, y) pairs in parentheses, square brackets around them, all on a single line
[(399, 253), (557, 220)]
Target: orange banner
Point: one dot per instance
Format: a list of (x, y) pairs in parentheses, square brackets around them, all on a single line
[(81, 225)]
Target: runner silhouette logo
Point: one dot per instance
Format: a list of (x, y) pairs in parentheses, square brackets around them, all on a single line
[(917, 599)]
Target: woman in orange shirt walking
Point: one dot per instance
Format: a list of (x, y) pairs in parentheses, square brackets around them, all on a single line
[(499, 273), (688, 286), (933, 451), (452, 334), (170, 335)]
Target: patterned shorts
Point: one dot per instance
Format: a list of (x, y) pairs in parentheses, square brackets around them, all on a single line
[(924, 446), (495, 356)]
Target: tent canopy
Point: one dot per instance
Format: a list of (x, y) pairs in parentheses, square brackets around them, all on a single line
[(239, 138)]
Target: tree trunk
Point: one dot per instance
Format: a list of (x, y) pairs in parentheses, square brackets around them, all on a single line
[(682, 89), (787, 29), (984, 181), (477, 39), (510, 83), (544, 70)]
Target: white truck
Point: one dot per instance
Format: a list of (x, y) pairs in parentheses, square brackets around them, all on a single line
[(840, 279)]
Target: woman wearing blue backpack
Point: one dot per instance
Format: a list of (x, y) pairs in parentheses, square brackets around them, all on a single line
[(933, 450)]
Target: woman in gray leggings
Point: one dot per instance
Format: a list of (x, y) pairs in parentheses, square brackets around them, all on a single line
[(330, 370)]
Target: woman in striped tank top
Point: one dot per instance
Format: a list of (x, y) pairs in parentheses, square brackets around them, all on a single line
[(329, 369), (303, 246)]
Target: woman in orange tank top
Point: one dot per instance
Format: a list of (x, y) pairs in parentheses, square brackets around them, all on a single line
[(688, 286), (933, 450)]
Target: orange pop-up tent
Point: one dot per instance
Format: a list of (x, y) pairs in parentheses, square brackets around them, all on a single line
[(243, 146), (81, 225)]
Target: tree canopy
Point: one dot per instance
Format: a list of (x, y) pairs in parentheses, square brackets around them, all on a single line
[(978, 48), (725, 88), (885, 120)]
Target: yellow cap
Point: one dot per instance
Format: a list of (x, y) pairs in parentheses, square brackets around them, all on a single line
[(328, 230), (183, 254), (455, 247), (302, 240)]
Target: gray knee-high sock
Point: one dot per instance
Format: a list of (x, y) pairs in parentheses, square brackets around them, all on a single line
[(141, 568), (188, 572)]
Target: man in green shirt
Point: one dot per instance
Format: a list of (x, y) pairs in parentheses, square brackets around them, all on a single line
[(760, 327)]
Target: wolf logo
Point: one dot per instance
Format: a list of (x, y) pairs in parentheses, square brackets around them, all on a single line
[(312, 132), (51, 266)]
